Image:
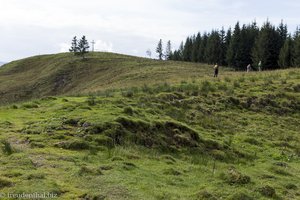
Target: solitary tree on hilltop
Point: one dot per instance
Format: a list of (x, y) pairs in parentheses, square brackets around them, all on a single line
[(159, 50)]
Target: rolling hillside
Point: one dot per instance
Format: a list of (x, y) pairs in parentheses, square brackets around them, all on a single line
[(172, 132), (66, 74)]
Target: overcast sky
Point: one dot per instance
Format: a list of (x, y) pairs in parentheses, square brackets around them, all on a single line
[(33, 27)]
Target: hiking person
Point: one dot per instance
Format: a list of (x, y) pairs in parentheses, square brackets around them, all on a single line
[(248, 68), (216, 68), (259, 66)]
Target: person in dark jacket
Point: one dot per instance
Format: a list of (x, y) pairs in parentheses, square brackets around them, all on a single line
[(216, 68)]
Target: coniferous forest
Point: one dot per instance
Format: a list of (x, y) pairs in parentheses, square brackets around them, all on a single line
[(245, 44)]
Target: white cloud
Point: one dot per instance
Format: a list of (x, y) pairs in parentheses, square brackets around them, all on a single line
[(37, 26), (64, 47), (103, 46)]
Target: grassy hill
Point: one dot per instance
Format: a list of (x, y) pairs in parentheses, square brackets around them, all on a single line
[(173, 132), (65, 74)]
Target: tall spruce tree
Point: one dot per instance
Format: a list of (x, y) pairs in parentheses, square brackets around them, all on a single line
[(247, 40), (227, 43), (196, 48), (223, 47), (296, 50), (213, 49), (202, 48), (168, 52), (283, 33), (286, 54), (233, 52), (267, 47), (187, 50), (159, 50)]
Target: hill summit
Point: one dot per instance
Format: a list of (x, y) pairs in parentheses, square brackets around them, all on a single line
[(64, 73)]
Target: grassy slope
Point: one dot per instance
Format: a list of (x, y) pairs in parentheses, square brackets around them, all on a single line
[(141, 143), (65, 74)]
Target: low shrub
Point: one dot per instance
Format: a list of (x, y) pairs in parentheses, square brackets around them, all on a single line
[(7, 148)]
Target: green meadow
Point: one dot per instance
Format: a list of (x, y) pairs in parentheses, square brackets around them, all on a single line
[(121, 127)]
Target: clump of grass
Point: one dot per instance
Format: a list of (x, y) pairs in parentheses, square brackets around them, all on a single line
[(296, 88), (169, 159), (6, 124), (147, 89), (5, 183), (236, 84), (116, 158), (165, 87), (91, 101), (207, 87), (36, 176), (73, 145), (7, 148), (93, 196), (127, 93), (205, 195), (291, 186), (14, 107), (49, 98), (218, 154), (253, 78), (252, 141), (71, 121), (267, 191), (241, 195), (234, 177), (129, 166), (268, 81), (106, 167), (241, 79), (172, 172), (128, 110), (283, 81), (280, 171), (37, 145), (227, 79), (104, 141), (84, 170), (133, 157), (30, 105), (222, 86)]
